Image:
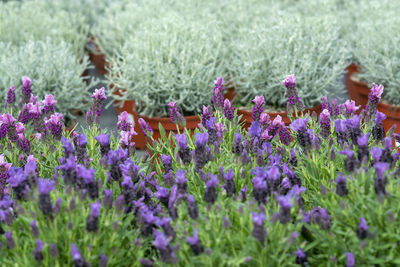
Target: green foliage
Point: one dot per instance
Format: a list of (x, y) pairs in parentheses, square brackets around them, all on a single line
[(54, 70), (33, 20)]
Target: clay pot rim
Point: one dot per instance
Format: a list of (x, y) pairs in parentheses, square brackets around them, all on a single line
[(280, 113)]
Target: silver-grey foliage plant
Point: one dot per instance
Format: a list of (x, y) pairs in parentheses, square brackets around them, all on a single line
[(169, 59), (376, 46), (54, 70), (285, 43), (39, 19)]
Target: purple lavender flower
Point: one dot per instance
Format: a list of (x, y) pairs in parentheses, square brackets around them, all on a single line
[(351, 262), (362, 149), (285, 186), (34, 229), (107, 198), (229, 186), (55, 125), (129, 168), (38, 252), (9, 121), (145, 127), (195, 243), (228, 110), (104, 141), (172, 210), (45, 186), (163, 195), (184, 150), (167, 162), (146, 262), (377, 131), (10, 240), (284, 212), (218, 92), (202, 153), (161, 242), (264, 120), (326, 105), (259, 232), (49, 103), (284, 135), (92, 220), (341, 130), (103, 260), (115, 158), (18, 183), (53, 250), (362, 229), (353, 126), (192, 207), (237, 145), (293, 99), (210, 195), (341, 186), (322, 217), (350, 108), (301, 256), (300, 126), (380, 181), (206, 115), (260, 190), (350, 163), (80, 147), (181, 181), (175, 114), (26, 89), (97, 107), (77, 258), (325, 124), (258, 108), (11, 97), (373, 98), (125, 122), (293, 158)]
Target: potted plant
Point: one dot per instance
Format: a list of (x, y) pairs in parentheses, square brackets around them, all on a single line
[(51, 21), (54, 70), (376, 52), (286, 43), (168, 59)]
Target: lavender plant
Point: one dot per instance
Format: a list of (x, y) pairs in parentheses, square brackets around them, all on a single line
[(240, 199)]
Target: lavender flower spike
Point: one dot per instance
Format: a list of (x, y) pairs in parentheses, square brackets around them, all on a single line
[(38, 253), (45, 186), (325, 124), (92, 219), (373, 98), (104, 141), (195, 243), (11, 98), (175, 114), (341, 186), (351, 262), (49, 103), (26, 89), (258, 108), (259, 232), (284, 213), (210, 195), (350, 108), (228, 110), (77, 257), (362, 230), (293, 100), (377, 131), (145, 127)]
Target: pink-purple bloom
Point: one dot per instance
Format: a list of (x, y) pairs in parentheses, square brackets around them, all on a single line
[(11, 98), (175, 114), (145, 127), (228, 110)]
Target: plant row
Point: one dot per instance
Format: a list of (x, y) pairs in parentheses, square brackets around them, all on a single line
[(318, 191)]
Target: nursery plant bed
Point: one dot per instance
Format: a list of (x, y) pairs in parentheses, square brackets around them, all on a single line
[(247, 117), (140, 139)]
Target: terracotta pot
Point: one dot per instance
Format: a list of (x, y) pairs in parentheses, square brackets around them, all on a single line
[(248, 118), (141, 140), (97, 57)]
